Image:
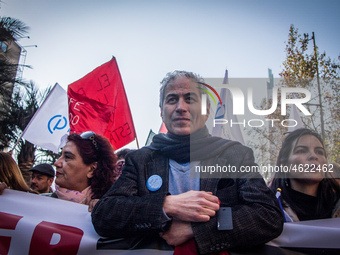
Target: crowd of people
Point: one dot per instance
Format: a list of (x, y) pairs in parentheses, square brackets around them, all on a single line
[(150, 193)]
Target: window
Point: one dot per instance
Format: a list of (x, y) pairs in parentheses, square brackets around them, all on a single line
[(3, 46)]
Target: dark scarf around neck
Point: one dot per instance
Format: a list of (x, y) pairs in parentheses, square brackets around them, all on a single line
[(194, 147)]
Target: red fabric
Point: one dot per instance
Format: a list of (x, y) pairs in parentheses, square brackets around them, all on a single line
[(163, 129), (95, 114), (189, 248), (99, 100)]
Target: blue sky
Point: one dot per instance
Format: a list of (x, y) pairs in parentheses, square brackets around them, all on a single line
[(151, 38)]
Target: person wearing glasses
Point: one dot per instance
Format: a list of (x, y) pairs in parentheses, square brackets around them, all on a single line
[(121, 154), (157, 198), (84, 172)]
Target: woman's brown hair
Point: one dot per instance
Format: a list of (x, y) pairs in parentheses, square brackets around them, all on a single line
[(10, 173)]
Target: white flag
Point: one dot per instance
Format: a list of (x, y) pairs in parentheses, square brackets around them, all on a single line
[(225, 111), (294, 115), (149, 139), (50, 123)]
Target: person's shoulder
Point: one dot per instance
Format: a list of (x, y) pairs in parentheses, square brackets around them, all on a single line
[(289, 214), (236, 152), (54, 194), (336, 210), (143, 153), (234, 145), (139, 152), (46, 194)]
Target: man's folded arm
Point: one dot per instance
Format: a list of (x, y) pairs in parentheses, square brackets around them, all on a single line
[(254, 223), (257, 217), (123, 212)]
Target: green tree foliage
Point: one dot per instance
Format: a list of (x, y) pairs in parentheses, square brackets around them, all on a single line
[(12, 29), (302, 68), (19, 101), (302, 63)]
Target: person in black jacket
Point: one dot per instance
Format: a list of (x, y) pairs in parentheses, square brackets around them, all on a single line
[(165, 191)]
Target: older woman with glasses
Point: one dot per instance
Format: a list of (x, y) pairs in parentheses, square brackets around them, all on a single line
[(85, 170)]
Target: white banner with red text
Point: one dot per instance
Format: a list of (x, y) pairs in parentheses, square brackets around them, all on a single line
[(33, 224)]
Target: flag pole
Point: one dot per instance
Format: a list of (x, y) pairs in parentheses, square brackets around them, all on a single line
[(137, 142), (17, 142)]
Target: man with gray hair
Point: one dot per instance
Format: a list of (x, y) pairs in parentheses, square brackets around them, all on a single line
[(157, 197)]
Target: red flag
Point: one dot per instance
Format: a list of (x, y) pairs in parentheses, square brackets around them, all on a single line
[(96, 114), (98, 102), (163, 129)]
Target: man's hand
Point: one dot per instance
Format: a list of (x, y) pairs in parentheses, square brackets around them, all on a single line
[(179, 233), (191, 206), (3, 186)]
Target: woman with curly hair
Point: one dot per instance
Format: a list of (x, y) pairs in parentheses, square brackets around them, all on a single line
[(85, 170)]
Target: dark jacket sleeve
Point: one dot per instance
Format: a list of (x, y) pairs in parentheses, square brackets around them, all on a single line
[(129, 208), (256, 215)]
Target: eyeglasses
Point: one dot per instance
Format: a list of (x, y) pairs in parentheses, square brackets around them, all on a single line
[(90, 135), (120, 165)]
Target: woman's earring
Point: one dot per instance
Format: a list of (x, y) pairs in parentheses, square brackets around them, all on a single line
[(286, 181)]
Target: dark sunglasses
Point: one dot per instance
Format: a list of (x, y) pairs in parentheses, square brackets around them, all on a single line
[(90, 135), (121, 163)]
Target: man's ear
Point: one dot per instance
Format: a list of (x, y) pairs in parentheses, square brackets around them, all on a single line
[(93, 167), (161, 113), (50, 181), (208, 112)]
